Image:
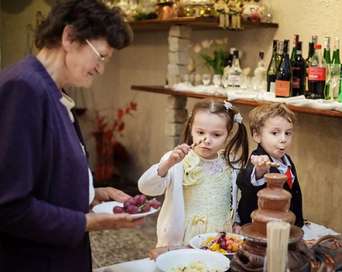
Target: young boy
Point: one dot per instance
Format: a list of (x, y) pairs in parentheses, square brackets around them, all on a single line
[(271, 126)]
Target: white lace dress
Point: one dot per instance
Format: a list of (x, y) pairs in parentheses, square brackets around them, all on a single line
[(207, 195)]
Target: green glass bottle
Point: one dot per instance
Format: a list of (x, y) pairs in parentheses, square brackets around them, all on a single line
[(327, 64), (335, 70), (294, 48), (326, 51), (340, 87), (336, 52), (272, 69)]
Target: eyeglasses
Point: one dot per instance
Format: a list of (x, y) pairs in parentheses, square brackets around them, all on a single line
[(97, 53)]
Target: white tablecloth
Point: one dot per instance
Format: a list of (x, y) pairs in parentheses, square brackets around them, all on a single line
[(311, 230), (233, 94), (314, 231)]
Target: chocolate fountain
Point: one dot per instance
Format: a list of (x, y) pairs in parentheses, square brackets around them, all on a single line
[(273, 204)]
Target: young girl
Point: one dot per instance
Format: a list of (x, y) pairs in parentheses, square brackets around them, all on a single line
[(198, 177)]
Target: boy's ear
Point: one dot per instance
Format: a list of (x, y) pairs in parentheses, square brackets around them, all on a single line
[(256, 137)]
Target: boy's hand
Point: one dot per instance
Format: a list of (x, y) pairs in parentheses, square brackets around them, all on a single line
[(262, 165), (236, 228), (176, 156)]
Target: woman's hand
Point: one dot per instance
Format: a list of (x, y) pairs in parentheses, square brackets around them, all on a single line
[(176, 156), (261, 164), (107, 194), (104, 221)]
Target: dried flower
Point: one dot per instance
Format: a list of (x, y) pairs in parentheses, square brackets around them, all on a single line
[(107, 146), (118, 125)]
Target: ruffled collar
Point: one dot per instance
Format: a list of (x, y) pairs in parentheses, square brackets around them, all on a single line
[(195, 167)]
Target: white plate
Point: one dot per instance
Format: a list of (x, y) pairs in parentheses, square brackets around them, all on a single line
[(185, 257), (199, 240), (107, 207)]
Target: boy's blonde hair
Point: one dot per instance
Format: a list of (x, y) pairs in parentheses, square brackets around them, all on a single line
[(258, 116)]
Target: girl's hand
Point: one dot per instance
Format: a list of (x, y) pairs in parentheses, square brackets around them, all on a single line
[(261, 164), (176, 156)]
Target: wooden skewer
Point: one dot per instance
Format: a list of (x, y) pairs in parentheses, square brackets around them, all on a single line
[(198, 143)]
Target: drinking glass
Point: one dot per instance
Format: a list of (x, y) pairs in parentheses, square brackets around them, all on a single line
[(186, 79), (206, 78), (217, 80)]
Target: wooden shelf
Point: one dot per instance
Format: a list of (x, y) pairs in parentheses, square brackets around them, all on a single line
[(248, 102), (196, 23)]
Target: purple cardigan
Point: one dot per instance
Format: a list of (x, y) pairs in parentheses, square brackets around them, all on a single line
[(43, 176)]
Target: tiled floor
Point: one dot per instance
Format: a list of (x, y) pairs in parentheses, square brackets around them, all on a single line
[(116, 246)]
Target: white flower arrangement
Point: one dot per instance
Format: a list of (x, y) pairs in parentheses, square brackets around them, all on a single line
[(213, 52)]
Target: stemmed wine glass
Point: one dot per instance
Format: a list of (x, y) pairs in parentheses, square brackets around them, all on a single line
[(206, 78), (217, 80)]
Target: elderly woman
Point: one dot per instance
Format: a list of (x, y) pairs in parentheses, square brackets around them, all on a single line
[(45, 183)]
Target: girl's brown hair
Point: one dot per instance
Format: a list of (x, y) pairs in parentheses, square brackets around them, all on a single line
[(236, 150), (258, 116)]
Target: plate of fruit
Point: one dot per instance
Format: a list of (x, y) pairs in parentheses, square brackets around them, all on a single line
[(138, 206), (222, 242)]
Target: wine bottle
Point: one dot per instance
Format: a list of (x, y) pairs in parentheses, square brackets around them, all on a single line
[(284, 74), (234, 79), (335, 69), (298, 72), (336, 52), (230, 57), (314, 39), (311, 52), (308, 60), (294, 48), (340, 87), (326, 53), (326, 61), (259, 79), (316, 75), (280, 53), (272, 69)]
